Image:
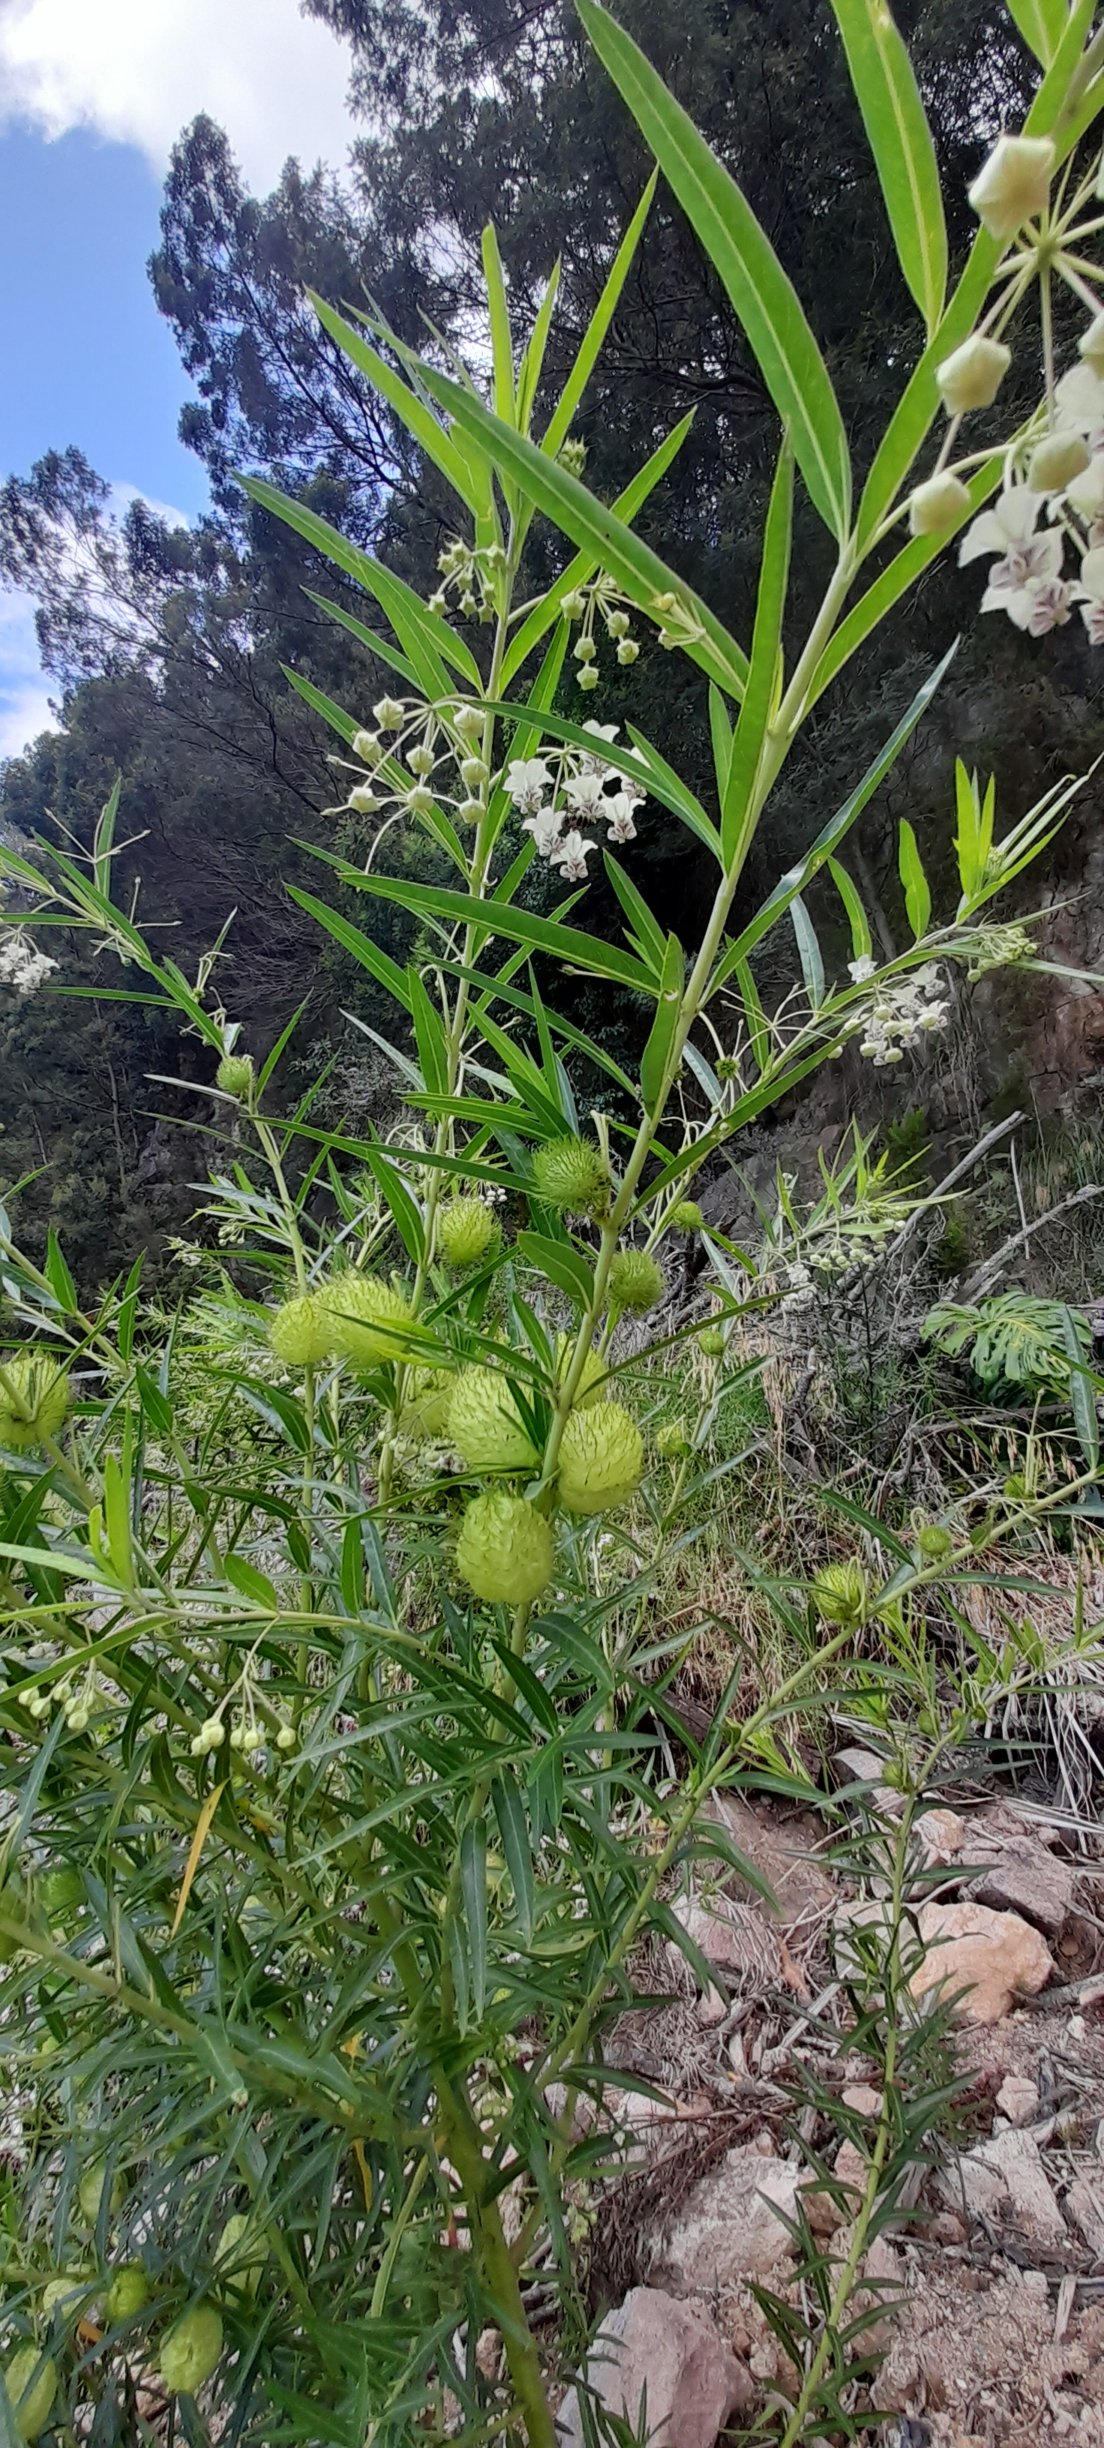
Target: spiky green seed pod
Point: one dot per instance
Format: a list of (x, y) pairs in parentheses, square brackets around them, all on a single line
[(687, 1216), (635, 1281), (711, 1341), (485, 1426), (366, 1318), (64, 2294), (840, 1594), (34, 1401), (235, 1075), (244, 2253), (32, 2382), (467, 1230), (594, 1384), (934, 1541), (128, 2293), (300, 1333), (601, 1459), (673, 1439), (426, 1404), (190, 2352), (571, 1173), (505, 1550)]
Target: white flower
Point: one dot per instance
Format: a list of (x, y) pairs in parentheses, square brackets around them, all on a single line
[(544, 825), (1037, 605), (599, 731), (1013, 184), (584, 792), (571, 857), (22, 967), (1079, 404), (1007, 529), (861, 969), (618, 811), (526, 783), (907, 1009), (1086, 494), (1090, 588)]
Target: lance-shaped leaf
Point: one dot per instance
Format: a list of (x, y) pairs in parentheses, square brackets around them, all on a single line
[(738, 807), (901, 142), (761, 293)]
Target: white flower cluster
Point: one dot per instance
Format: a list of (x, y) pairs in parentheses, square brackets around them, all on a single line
[(1028, 575), (470, 572), (903, 1011), (555, 805), (22, 968)]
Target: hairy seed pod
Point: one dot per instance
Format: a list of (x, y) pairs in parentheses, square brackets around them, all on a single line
[(366, 1318), (128, 2293), (635, 1281), (687, 1217), (467, 1230), (244, 2253), (34, 1400), (840, 1593), (426, 1404), (487, 1430), (594, 1384), (235, 1075), (571, 1173), (90, 2192), (300, 1332), (711, 1341), (32, 2382), (505, 1549), (601, 1459), (191, 2350)]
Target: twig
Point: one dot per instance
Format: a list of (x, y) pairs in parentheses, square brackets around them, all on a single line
[(984, 1275)]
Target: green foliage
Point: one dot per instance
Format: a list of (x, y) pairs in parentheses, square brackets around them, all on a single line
[(1013, 1342)]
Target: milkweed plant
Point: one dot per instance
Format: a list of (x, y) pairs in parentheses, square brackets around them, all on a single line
[(335, 1803)]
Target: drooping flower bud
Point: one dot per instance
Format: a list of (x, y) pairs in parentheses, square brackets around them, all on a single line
[(128, 2293), (1056, 461), (190, 2352), (601, 1459), (594, 1384), (300, 1332), (470, 811), (467, 1230), (235, 1075), (505, 1551), (366, 1317), (32, 2381), (286, 1738), (1091, 345), (34, 1401), (368, 746), (628, 650), (468, 722), (1014, 184), (426, 1403), (420, 758), (636, 1281), (972, 375), (938, 505), (486, 1428), (419, 799), (687, 1217), (840, 1594), (573, 605), (388, 712), (363, 800), (571, 1173), (589, 677)]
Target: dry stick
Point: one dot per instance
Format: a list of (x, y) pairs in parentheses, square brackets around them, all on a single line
[(984, 1275)]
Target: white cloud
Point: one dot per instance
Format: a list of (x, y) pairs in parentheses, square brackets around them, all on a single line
[(136, 71), (24, 698)]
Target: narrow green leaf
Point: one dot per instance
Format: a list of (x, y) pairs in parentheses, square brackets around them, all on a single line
[(911, 869), (370, 638), (251, 1584), (901, 143), (427, 638), (369, 956), (647, 928), (473, 1879), (344, 724), (502, 344), (808, 952), (559, 423), (754, 1014), (856, 915), (403, 1208), (562, 1263), (1082, 1393), (654, 1060), (429, 1034), (1042, 24), (513, 1826), (761, 294), (738, 805), (58, 1276), (519, 926), (529, 371)]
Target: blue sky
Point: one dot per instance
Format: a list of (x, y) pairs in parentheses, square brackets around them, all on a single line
[(92, 96)]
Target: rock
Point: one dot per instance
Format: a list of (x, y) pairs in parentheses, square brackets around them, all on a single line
[(1020, 1877), (863, 2099), (802, 1892), (1085, 2206), (1004, 2181), (734, 1940), (991, 1957), (1018, 2099), (942, 1834), (855, 1765), (851, 2168), (727, 2229), (668, 2353)]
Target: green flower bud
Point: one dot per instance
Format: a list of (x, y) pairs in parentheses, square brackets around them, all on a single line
[(973, 373), (128, 2293), (190, 2352), (90, 2191), (244, 2252), (1057, 461), (573, 605), (368, 746), (572, 455), (628, 650), (636, 1281), (1013, 184), (588, 677), (840, 1594), (34, 1401), (938, 505), (601, 1459), (571, 1173), (687, 1217), (673, 1439), (235, 1075), (468, 722), (32, 2382), (469, 811), (594, 1384), (300, 1332), (286, 1738), (366, 1318), (486, 1428), (711, 1341), (420, 758), (363, 800), (618, 624), (426, 1405), (505, 1549), (467, 1230), (388, 712)]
